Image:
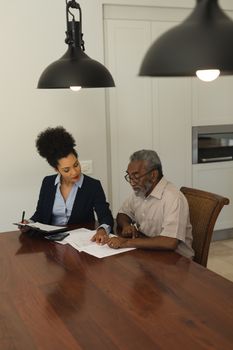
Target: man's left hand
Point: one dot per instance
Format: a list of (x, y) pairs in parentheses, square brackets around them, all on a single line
[(117, 242)]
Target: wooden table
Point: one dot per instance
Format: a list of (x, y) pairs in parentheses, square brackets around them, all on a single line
[(53, 297)]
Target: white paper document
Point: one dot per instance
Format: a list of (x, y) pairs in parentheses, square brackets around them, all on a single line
[(80, 239)]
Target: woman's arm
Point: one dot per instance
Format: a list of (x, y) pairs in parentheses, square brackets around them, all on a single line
[(101, 207), (45, 201)]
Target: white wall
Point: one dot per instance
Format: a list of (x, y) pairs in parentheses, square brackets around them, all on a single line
[(32, 36)]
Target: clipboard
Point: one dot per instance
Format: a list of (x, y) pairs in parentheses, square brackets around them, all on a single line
[(43, 230)]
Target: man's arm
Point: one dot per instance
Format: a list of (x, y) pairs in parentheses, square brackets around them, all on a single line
[(123, 220), (157, 243)]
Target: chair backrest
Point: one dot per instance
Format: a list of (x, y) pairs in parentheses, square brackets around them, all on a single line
[(204, 208)]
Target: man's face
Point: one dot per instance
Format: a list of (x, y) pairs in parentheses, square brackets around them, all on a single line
[(141, 178)]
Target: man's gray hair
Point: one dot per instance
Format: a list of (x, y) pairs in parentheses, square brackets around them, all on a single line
[(151, 157)]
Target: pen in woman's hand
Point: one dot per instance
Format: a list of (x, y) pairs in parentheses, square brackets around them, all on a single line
[(23, 215)]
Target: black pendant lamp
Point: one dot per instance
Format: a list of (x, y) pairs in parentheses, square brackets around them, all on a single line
[(202, 44), (75, 69)]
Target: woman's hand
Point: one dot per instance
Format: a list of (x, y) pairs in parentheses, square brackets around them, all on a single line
[(24, 229), (117, 242), (100, 237)]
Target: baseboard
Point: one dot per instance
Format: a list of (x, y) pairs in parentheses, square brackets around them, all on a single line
[(219, 235)]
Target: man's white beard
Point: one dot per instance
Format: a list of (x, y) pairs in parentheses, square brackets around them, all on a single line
[(142, 192)]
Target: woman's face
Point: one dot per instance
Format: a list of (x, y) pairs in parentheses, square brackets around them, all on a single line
[(69, 168)]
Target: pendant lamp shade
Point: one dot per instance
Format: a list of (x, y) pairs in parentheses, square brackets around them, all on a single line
[(75, 68), (203, 41)]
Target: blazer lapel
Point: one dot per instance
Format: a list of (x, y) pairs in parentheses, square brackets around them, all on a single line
[(79, 203)]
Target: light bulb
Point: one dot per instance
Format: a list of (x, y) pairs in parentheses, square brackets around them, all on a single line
[(75, 88), (208, 74)]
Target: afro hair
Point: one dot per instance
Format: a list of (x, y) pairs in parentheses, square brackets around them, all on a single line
[(54, 144)]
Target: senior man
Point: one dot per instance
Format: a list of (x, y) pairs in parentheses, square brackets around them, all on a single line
[(156, 214)]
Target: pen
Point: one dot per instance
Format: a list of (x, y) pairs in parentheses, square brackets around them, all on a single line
[(135, 234), (23, 215)]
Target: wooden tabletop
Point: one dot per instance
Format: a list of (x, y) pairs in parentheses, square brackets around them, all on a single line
[(52, 297)]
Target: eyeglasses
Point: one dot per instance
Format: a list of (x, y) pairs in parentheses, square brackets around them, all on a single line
[(136, 178)]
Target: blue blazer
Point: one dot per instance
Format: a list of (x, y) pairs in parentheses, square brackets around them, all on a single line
[(89, 198)]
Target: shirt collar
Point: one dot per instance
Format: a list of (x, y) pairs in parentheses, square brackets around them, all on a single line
[(76, 184), (159, 188)]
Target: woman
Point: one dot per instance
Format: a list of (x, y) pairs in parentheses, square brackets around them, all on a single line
[(69, 197)]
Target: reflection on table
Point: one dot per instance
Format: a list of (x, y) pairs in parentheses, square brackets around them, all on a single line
[(54, 297)]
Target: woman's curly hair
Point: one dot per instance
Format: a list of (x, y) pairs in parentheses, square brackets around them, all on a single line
[(54, 144)]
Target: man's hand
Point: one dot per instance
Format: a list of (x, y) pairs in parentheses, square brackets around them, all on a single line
[(130, 231), (117, 242), (100, 237)]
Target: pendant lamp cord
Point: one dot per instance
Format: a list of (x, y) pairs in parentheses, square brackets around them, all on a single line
[(71, 34)]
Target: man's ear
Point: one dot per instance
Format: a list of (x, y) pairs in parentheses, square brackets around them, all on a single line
[(155, 175)]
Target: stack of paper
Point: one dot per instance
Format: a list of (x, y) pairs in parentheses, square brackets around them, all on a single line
[(80, 239)]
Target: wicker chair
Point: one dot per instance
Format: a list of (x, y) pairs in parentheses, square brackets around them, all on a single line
[(204, 209)]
